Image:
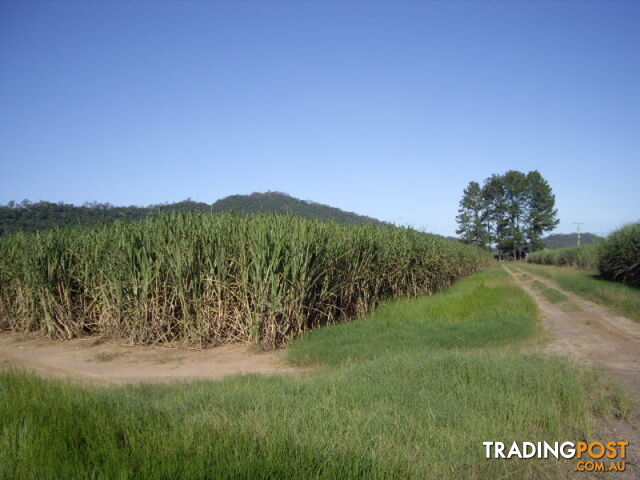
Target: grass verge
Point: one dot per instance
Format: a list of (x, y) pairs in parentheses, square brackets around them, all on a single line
[(551, 294), (485, 309), (410, 391), (616, 296)]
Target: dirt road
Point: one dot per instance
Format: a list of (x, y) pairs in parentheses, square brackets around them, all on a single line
[(592, 335), (109, 361), (589, 332)]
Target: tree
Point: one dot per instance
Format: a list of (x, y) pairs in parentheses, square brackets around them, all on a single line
[(516, 192), (495, 214), (542, 215), (510, 212), (470, 217)]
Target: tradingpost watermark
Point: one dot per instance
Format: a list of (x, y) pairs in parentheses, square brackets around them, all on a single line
[(589, 456)]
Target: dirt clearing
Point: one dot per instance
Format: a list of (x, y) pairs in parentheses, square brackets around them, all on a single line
[(108, 361)]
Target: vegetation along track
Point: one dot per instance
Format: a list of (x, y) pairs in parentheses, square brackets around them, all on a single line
[(596, 337), (590, 333)]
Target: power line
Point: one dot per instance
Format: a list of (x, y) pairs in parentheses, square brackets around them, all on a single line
[(577, 224)]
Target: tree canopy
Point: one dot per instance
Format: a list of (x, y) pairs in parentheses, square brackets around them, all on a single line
[(510, 212)]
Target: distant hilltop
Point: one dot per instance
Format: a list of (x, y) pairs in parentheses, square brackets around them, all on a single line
[(561, 240), (30, 217), (278, 202)]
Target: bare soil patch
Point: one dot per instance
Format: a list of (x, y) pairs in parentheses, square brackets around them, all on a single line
[(102, 360)]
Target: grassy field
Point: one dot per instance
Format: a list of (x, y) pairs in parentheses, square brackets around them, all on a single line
[(409, 391), (209, 279), (618, 297)]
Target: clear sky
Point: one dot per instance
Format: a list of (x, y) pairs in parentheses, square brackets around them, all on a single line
[(387, 109)]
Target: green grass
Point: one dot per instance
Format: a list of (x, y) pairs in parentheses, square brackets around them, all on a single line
[(410, 391), (551, 294), (487, 309), (618, 297), (520, 274)]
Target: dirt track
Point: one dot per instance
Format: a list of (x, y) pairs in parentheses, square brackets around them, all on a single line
[(590, 334), (108, 361)]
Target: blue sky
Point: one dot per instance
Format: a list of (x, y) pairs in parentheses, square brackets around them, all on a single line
[(387, 109)]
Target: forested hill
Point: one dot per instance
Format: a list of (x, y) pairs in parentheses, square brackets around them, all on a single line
[(28, 216), (278, 202), (561, 240)]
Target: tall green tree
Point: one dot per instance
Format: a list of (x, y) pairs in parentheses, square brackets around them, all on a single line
[(472, 228), (542, 216), (495, 213), (511, 212), (516, 192)]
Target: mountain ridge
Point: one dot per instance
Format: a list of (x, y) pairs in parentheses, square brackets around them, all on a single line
[(561, 240), (43, 215)]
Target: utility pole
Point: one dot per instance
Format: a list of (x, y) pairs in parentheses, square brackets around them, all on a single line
[(577, 224)]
